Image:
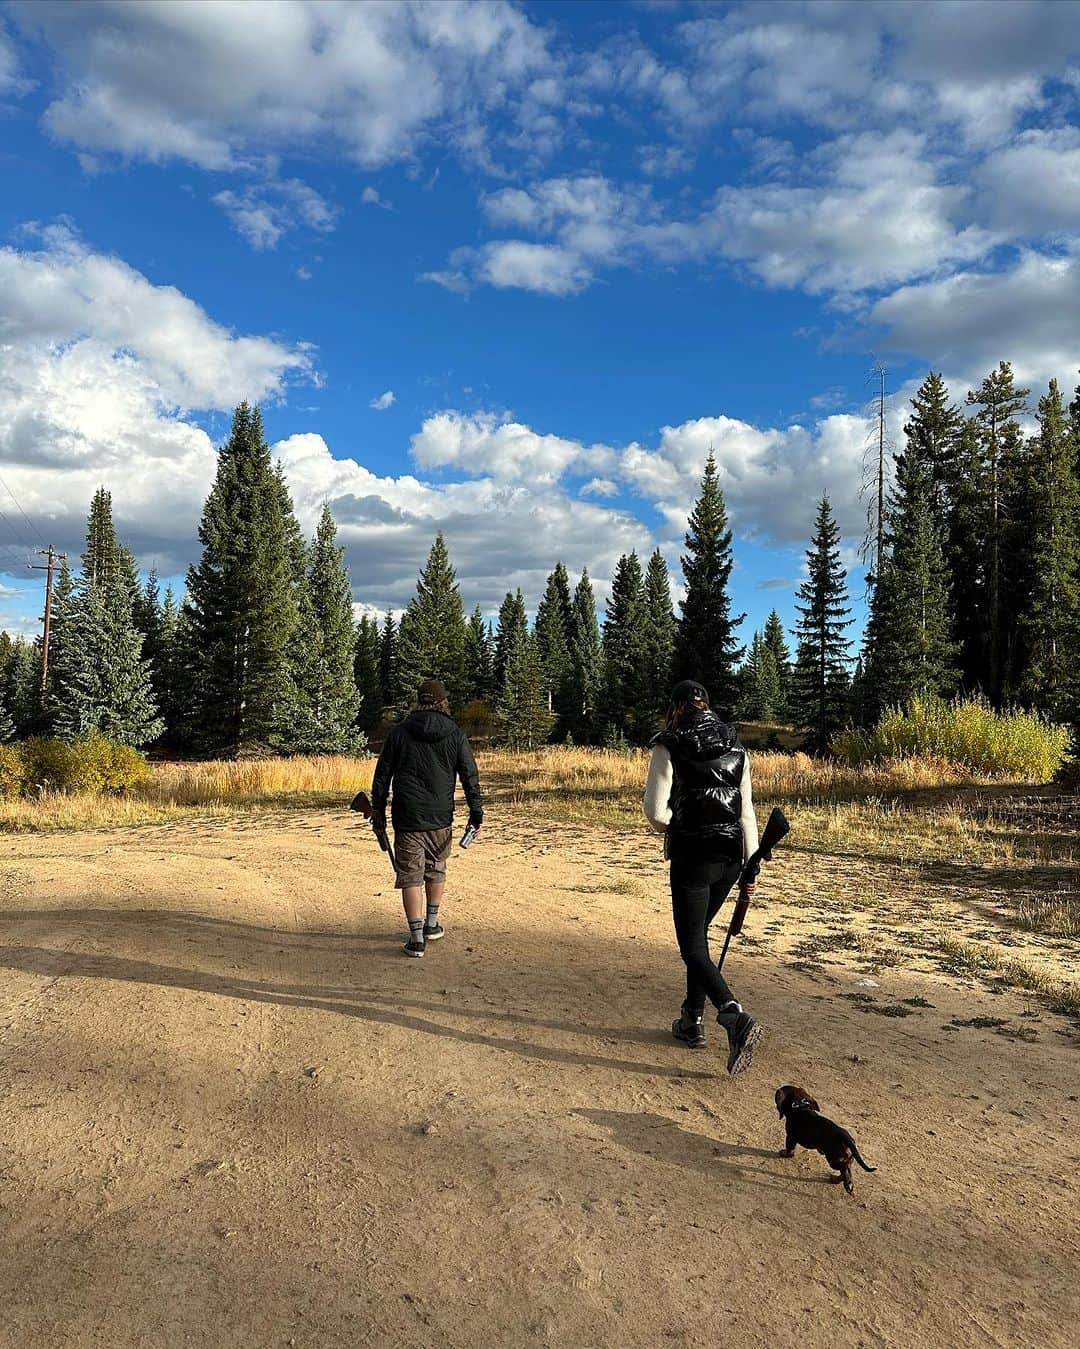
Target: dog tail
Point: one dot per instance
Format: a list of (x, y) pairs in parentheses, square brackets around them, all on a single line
[(858, 1158)]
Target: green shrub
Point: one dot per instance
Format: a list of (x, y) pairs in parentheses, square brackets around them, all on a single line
[(1012, 744), (90, 763)]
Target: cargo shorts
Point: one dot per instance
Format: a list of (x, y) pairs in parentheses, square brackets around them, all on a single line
[(421, 856)]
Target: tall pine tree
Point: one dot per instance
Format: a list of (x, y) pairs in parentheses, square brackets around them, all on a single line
[(242, 599), (552, 628), (431, 638), (706, 647), (479, 658), (388, 646), (625, 710), (776, 643), (586, 664), (659, 642), (510, 632), (821, 679), (366, 675), (523, 716)]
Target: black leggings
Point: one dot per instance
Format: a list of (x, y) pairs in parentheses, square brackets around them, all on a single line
[(697, 891)]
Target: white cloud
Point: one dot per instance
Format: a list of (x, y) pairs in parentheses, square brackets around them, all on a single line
[(600, 487), (66, 293), (12, 82), (1032, 186), (370, 197), (221, 85), (508, 450), (263, 213), (968, 322), (384, 401)]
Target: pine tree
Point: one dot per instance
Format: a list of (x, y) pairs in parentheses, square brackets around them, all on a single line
[(479, 658), (510, 632), (625, 710), (966, 557), (523, 716), (388, 660), (821, 681), (242, 599), (759, 683), (931, 441), (431, 638), (63, 599), (149, 619), (1000, 443), (552, 628), (103, 683), (7, 723), (168, 673), (586, 664), (706, 648), (327, 700), (106, 562), (22, 686), (1049, 549), (776, 642), (366, 675), (659, 642)]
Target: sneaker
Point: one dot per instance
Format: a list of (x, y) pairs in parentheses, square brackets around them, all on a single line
[(434, 933), (743, 1034), (688, 1028), (413, 948)]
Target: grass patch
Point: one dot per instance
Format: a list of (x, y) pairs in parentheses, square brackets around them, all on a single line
[(969, 958)]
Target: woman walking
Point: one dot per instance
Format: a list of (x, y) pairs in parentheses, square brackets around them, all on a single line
[(698, 794)]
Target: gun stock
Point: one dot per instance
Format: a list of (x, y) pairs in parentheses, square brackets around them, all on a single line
[(776, 828)]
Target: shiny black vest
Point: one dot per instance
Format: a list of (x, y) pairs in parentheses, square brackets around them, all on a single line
[(706, 794)]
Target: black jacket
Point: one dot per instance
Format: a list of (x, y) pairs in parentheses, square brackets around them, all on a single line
[(422, 757), (707, 763)]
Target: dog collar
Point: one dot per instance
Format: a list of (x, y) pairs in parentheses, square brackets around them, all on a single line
[(801, 1104)]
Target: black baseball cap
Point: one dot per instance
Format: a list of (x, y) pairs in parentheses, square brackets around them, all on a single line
[(689, 691)]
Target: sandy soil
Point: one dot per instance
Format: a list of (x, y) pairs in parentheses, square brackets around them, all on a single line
[(232, 1113)]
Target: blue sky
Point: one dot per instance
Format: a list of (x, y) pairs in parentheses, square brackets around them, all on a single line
[(577, 244)]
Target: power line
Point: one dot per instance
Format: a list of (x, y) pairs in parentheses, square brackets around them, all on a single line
[(11, 494)]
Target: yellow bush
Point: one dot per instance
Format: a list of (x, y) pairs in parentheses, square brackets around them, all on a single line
[(1014, 744), (91, 763), (12, 772)]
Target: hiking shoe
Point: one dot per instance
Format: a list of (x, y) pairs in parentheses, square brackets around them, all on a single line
[(688, 1028), (434, 933), (413, 948), (743, 1034)]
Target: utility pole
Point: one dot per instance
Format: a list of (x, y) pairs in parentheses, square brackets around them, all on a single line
[(53, 558)]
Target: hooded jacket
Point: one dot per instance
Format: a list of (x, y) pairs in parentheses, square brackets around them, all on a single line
[(421, 758), (708, 765)]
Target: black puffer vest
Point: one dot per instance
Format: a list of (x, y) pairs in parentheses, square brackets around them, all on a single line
[(706, 794)]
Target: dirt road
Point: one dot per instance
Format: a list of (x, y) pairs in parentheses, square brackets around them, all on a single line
[(233, 1114)]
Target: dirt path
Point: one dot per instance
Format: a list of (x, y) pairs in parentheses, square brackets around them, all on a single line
[(232, 1113)]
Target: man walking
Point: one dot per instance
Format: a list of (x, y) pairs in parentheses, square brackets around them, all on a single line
[(420, 761)]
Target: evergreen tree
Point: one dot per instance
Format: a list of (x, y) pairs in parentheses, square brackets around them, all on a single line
[(931, 442), (7, 723), (966, 557), (776, 642), (327, 701), (106, 562), (479, 658), (366, 675), (103, 683), (553, 623), (167, 669), (1049, 548), (431, 638), (999, 402), (659, 643), (510, 633), (821, 681), (760, 683), (706, 648), (625, 710), (388, 660), (22, 686), (586, 664), (523, 716), (63, 599), (149, 618), (242, 599)]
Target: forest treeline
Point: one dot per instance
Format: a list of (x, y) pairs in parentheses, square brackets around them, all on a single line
[(974, 589)]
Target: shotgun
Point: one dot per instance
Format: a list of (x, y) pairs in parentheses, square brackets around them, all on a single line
[(362, 802), (776, 828)]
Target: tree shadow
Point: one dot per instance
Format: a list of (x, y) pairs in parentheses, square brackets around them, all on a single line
[(660, 1138), (90, 965)]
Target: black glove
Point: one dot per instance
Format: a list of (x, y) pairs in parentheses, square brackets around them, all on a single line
[(378, 818), (476, 818)]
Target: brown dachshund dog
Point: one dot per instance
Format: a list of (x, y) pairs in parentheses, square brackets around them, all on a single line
[(808, 1127)]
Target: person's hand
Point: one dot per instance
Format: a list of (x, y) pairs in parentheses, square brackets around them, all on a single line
[(378, 819), (476, 819)]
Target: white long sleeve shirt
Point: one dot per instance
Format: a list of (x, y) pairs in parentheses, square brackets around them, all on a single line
[(658, 797)]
